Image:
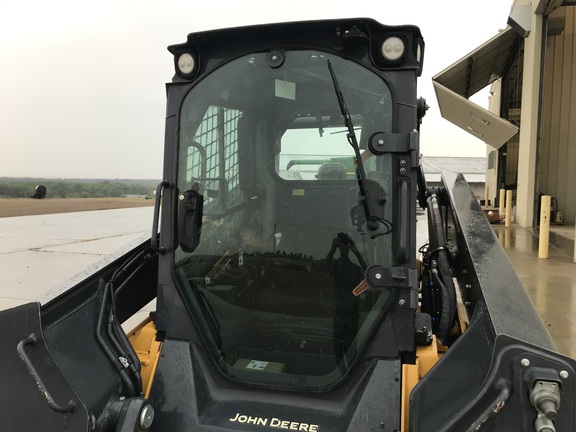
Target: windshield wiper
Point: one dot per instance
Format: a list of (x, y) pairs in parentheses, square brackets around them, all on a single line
[(372, 221)]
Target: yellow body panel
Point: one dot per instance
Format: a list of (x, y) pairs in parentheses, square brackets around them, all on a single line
[(148, 349)]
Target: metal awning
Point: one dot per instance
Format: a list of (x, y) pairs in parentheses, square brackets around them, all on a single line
[(471, 74)]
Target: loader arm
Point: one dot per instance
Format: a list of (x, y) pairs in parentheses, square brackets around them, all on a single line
[(494, 369)]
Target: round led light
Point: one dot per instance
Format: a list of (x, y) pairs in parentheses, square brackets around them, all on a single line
[(393, 48), (186, 63)]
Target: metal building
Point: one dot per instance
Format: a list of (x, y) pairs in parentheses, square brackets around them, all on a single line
[(473, 169), (530, 130)]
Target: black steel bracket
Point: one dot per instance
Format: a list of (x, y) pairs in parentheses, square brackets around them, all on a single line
[(379, 277), (382, 142)]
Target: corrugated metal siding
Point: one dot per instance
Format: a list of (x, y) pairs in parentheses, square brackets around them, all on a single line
[(473, 169), (557, 165), (512, 152), (464, 165)]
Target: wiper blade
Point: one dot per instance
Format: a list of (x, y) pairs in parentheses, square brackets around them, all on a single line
[(371, 219)]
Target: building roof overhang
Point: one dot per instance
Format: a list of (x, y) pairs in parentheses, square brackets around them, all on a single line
[(473, 72)]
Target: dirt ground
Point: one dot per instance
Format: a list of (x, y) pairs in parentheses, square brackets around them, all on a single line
[(10, 207)]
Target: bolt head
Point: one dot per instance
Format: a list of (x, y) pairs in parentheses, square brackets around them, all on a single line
[(525, 362), (402, 302), (564, 374), (146, 417)]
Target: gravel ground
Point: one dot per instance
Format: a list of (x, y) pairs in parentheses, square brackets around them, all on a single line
[(10, 207)]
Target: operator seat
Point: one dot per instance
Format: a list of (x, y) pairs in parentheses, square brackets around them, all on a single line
[(331, 171)]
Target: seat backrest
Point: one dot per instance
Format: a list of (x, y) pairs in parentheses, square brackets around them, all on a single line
[(331, 171)]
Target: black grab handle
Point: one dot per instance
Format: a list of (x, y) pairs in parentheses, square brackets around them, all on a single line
[(31, 340), (164, 184)]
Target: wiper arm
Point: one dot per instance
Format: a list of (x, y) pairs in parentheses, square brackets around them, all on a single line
[(371, 219)]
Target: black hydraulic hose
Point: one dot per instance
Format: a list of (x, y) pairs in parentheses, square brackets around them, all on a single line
[(435, 227), (135, 364), (119, 339), (114, 330), (119, 348), (128, 279), (127, 357), (138, 256), (122, 345), (439, 252), (446, 317), (131, 359), (135, 257), (128, 386)]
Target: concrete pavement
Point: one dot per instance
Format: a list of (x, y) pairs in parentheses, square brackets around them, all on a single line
[(41, 256)]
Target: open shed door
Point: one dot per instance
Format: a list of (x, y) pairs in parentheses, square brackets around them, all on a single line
[(470, 74)]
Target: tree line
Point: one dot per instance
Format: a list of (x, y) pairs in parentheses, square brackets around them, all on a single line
[(74, 189)]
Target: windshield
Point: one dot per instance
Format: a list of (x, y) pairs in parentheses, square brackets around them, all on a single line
[(283, 242)]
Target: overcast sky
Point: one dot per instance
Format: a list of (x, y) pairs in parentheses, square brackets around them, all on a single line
[(82, 83)]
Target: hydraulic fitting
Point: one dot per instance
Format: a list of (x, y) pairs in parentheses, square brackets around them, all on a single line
[(545, 397), (542, 424)]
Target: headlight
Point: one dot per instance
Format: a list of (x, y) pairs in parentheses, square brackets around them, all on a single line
[(393, 48), (186, 64)]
